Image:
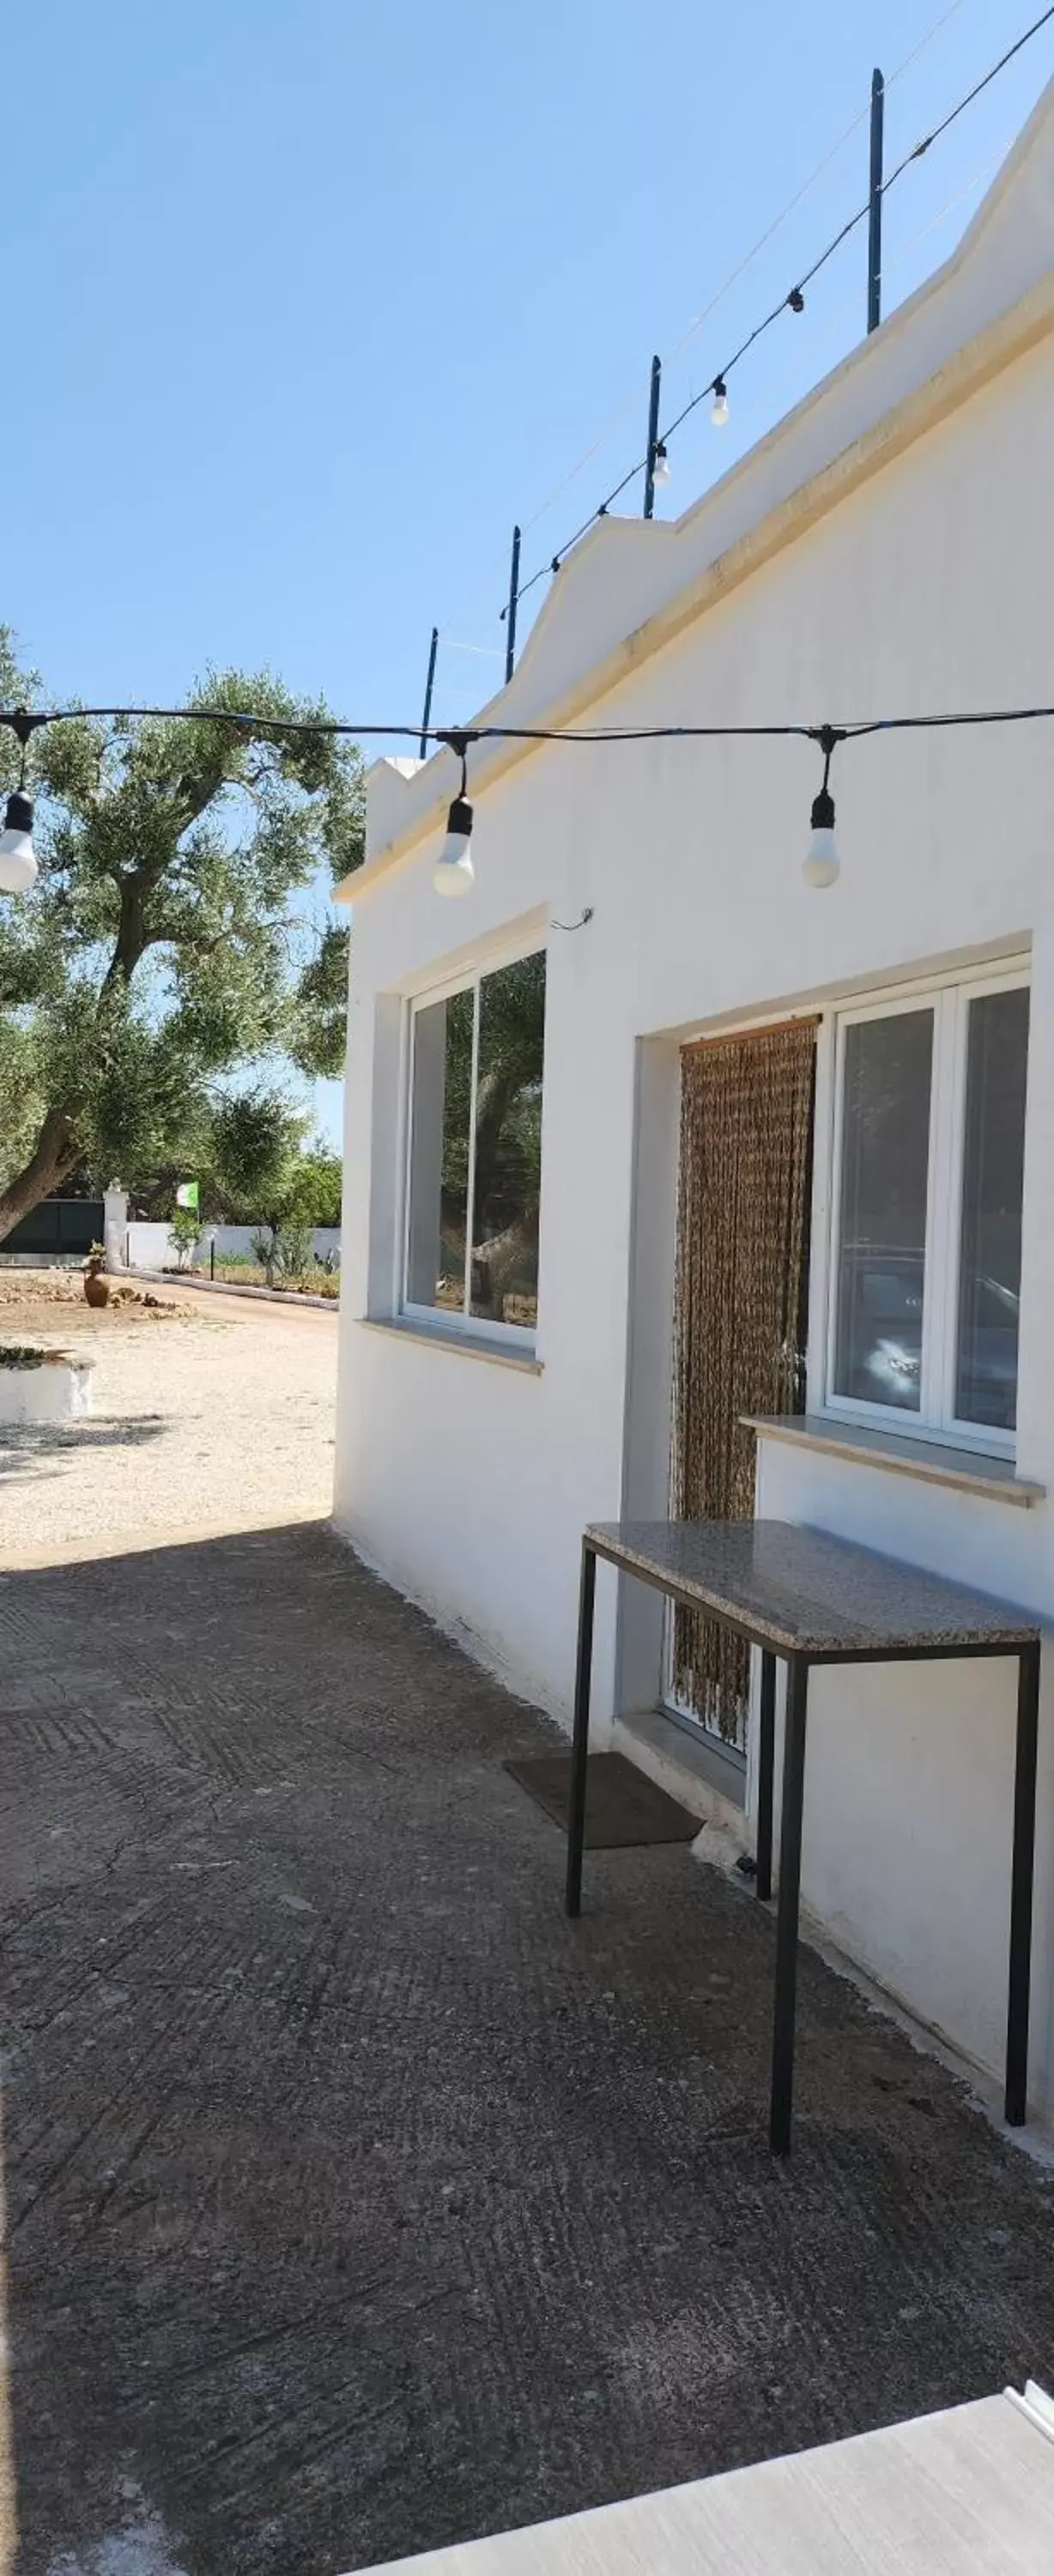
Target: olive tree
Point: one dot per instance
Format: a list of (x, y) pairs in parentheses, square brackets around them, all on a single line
[(163, 944)]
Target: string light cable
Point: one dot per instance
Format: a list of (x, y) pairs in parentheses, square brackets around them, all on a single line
[(773, 386), (454, 872), (793, 301), (628, 404), (494, 653), (615, 418)]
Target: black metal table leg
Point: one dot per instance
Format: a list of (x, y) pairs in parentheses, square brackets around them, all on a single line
[(576, 1817), (787, 1910), (1021, 1885), (766, 1766)]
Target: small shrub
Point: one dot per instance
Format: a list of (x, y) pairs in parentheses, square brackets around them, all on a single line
[(21, 1355), (294, 1246), (185, 1228)]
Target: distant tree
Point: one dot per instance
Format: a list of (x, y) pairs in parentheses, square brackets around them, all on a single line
[(253, 1148), (260, 1171), (315, 1187), (161, 947), (320, 1022)]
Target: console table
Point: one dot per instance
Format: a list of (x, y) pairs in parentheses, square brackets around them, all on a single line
[(807, 1598)]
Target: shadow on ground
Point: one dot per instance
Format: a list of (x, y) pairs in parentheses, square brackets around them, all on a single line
[(26, 1449), (357, 2201)]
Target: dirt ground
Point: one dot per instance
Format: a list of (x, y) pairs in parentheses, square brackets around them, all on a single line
[(210, 1415)]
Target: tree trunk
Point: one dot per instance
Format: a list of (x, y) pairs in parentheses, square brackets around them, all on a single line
[(493, 1263), (52, 1157)]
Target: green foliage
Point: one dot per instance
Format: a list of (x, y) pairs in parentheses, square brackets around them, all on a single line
[(312, 1195), (508, 1098), (21, 1103), (283, 1251), (254, 1143), (184, 1227), (256, 1164), (162, 947), (262, 1245), (320, 1009), (294, 1245)]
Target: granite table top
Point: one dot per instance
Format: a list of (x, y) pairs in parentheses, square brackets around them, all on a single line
[(803, 1592)]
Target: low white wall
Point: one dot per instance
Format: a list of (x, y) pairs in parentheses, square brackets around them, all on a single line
[(41, 1260), (56, 1392), (150, 1246)]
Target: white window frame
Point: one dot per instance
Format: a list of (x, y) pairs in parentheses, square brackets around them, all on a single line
[(450, 1319), (949, 998)]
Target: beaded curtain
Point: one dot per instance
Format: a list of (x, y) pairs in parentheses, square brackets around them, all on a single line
[(740, 1302)]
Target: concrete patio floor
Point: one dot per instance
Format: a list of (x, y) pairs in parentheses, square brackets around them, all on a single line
[(356, 2201)]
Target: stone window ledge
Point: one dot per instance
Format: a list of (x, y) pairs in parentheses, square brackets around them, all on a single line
[(970, 1471), (467, 1346)]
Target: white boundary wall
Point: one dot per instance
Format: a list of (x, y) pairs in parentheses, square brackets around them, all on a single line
[(150, 1246)]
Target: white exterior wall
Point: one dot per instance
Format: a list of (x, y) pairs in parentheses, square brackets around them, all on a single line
[(927, 587)]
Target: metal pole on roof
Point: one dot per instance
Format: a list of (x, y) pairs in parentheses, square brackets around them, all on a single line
[(653, 438), (514, 592), (429, 686), (874, 229)]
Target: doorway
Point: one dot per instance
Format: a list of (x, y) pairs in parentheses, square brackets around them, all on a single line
[(741, 1283)]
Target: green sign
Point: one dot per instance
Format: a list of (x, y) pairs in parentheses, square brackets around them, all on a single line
[(187, 1195)]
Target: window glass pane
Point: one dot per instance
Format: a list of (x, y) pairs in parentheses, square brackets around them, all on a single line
[(441, 1086), (508, 1144), (882, 1230), (990, 1241)]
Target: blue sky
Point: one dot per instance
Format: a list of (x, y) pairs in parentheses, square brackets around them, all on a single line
[(317, 299)]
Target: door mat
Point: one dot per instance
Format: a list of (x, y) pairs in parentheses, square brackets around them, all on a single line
[(622, 1805)]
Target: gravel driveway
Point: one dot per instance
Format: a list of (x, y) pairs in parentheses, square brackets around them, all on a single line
[(207, 1415)]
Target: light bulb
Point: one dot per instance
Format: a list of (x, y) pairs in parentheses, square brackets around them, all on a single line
[(719, 414), (661, 467), (18, 866), (453, 873), (821, 865)]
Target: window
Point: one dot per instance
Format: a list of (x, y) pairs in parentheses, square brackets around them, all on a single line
[(474, 1160), (926, 1266), (886, 1088)]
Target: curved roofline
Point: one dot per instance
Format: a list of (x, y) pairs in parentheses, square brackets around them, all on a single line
[(631, 585)]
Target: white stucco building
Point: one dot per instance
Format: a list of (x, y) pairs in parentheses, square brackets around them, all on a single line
[(887, 550)]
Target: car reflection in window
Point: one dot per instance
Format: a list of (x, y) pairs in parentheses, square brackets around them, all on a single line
[(888, 1339), (889, 1327), (987, 1384)]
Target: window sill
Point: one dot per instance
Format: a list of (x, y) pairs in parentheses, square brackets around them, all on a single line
[(468, 1346), (970, 1471)]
